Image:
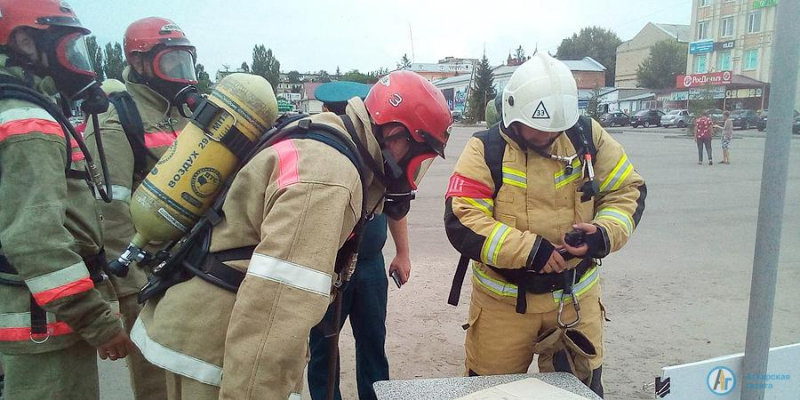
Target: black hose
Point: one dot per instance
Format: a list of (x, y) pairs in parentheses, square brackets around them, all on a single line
[(26, 94), (108, 196)]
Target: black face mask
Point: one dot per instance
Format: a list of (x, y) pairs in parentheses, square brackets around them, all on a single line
[(78, 83), (178, 94)]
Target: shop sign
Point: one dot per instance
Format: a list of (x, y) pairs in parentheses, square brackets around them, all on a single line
[(697, 80), (764, 3), (715, 93), (722, 46), (743, 93), (701, 46)]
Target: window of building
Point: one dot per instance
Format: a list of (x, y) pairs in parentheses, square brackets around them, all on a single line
[(703, 29), (726, 27), (750, 59), (701, 63), (704, 3), (724, 61), (754, 22)]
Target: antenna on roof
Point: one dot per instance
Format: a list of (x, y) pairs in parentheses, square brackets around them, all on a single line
[(411, 35)]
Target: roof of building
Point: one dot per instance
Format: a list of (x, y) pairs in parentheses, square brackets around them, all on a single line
[(309, 89), (586, 64), (743, 80), (680, 32), (639, 97)]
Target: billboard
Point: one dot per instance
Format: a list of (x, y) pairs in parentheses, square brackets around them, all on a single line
[(701, 46), (698, 80)]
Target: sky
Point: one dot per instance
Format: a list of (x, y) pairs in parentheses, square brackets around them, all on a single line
[(310, 35)]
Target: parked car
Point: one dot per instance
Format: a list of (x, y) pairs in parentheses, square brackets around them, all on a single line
[(716, 116), (679, 118), (614, 119), (762, 122), (457, 116), (761, 125), (647, 118), (744, 119), (796, 125)]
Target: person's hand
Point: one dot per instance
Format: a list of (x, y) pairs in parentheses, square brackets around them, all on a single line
[(402, 264), (116, 348), (581, 250), (555, 264)]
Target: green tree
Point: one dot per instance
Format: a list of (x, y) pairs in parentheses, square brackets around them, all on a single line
[(596, 42), (245, 67), (519, 55), (294, 77), (356, 76), (323, 76), (266, 65), (667, 60), (338, 73), (482, 90), (404, 63), (95, 56), (203, 79), (593, 108), (114, 61)]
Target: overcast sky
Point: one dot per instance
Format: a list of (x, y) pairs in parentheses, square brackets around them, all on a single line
[(369, 34)]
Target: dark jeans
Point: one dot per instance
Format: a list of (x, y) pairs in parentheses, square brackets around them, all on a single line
[(364, 301), (704, 142)]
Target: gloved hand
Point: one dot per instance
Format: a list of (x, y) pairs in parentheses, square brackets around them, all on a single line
[(594, 244)]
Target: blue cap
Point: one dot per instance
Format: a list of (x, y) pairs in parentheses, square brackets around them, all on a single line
[(340, 91)]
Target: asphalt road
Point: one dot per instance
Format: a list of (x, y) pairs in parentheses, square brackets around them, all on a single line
[(677, 293)]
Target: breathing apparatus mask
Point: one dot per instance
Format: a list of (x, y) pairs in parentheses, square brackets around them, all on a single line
[(69, 65), (172, 75), (402, 177)]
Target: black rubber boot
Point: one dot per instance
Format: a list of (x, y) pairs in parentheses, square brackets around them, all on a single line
[(597, 382)]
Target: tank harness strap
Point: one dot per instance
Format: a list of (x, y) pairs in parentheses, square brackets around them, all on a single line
[(39, 333), (132, 125), (234, 140), (458, 280)]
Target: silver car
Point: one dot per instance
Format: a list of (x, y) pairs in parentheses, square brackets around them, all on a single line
[(679, 118)]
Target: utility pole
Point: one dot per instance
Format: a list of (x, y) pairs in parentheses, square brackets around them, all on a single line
[(785, 57)]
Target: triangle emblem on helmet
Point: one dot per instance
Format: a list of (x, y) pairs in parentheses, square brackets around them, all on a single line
[(540, 112)]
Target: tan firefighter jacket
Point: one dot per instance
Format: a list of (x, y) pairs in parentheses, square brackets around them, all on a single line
[(297, 201), (537, 201), (48, 224), (161, 124)]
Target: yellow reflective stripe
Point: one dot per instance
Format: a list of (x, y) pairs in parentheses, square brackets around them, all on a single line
[(485, 205), (617, 215), (493, 242), (515, 177), (495, 286), (623, 177), (617, 175), (588, 280), (500, 244)]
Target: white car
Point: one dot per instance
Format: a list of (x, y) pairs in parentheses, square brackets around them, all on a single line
[(679, 118)]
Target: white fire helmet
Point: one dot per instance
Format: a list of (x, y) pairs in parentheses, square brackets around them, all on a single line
[(541, 94)]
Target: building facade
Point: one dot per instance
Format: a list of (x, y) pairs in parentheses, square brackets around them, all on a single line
[(732, 42), (632, 53)]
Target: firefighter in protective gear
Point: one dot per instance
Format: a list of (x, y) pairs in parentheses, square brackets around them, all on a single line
[(522, 228), (295, 203), (152, 84), (53, 313)]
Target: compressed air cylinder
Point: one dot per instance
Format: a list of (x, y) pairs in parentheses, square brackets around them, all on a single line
[(187, 179)]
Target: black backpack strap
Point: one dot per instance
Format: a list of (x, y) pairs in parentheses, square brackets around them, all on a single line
[(494, 147), (458, 280), (132, 124), (581, 137)]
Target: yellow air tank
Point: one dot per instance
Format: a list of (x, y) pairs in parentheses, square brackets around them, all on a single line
[(186, 180)]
